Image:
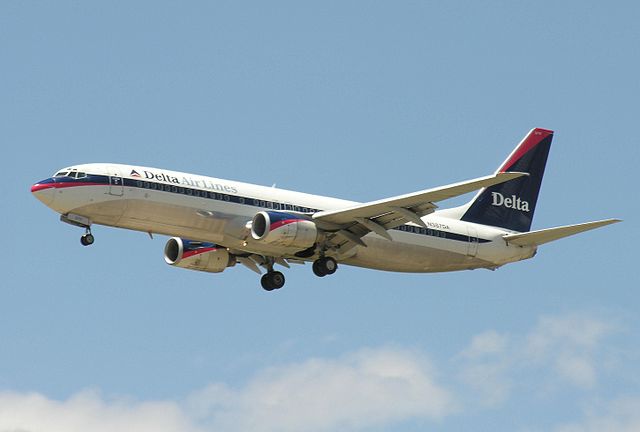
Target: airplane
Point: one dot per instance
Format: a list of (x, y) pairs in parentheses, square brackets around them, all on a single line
[(215, 224)]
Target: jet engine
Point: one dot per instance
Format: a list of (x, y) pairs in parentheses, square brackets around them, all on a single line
[(284, 229), (196, 255)]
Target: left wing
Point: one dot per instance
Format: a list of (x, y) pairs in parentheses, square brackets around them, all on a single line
[(379, 216)]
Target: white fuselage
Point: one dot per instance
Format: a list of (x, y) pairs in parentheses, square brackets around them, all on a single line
[(216, 210)]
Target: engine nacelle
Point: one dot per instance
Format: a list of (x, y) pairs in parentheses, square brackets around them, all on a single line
[(284, 229), (195, 255)]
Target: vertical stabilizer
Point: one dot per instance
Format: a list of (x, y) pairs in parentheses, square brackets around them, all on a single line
[(511, 205)]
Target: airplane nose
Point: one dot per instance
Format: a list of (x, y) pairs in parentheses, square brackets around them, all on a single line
[(44, 191)]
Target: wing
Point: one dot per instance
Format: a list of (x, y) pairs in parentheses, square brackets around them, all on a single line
[(352, 223)]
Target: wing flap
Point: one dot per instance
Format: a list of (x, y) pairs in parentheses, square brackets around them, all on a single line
[(540, 237)]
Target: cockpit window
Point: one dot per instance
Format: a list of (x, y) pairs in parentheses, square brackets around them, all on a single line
[(73, 173)]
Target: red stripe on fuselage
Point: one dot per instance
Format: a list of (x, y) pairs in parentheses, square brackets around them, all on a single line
[(38, 186), (533, 139)]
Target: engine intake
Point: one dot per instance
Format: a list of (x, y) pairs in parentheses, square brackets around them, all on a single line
[(195, 255), (284, 229)]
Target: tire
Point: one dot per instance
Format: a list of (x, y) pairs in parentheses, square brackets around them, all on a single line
[(87, 240), (265, 281), (276, 279), (330, 265), (318, 269), (324, 266)]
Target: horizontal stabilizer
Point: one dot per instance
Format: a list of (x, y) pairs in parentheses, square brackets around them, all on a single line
[(537, 238)]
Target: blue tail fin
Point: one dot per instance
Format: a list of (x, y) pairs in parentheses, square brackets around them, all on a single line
[(511, 205)]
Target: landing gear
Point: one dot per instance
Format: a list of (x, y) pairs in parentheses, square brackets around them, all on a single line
[(87, 239), (324, 266), (272, 280)]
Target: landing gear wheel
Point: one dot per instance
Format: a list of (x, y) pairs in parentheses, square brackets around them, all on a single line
[(324, 266), (87, 239), (272, 280), (317, 270), (330, 265), (266, 283)]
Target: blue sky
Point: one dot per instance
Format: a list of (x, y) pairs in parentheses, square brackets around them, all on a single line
[(359, 100)]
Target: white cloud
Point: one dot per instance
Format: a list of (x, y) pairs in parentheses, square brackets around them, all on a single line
[(565, 347), (87, 411), (490, 380), (365, 388), (485, 344), (369, 388), (576, 331), (621, 415), (486, 363), (569, 344)]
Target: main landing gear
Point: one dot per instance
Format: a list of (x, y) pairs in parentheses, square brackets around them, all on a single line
[(324, 266), (87, 238), (272, 280)]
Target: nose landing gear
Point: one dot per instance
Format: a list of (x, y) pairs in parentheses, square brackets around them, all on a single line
[(82, 222), (87, 239)]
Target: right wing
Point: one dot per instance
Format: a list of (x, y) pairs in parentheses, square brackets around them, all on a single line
[(378, 216)]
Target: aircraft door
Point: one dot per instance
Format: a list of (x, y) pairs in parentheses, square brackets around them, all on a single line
[(472, 245), (116, 184)]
